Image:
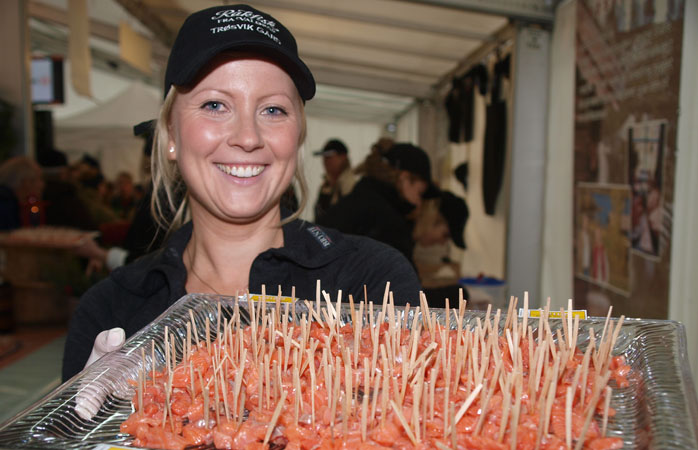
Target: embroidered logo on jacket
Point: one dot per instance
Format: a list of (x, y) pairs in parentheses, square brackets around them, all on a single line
[(320, 236)]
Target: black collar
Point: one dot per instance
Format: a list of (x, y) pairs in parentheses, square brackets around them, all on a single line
[(305, 244)]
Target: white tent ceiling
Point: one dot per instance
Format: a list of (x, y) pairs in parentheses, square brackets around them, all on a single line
[(371, 58), (106, 131)]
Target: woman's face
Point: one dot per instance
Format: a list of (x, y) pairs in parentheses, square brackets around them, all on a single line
[(236, 135), (437, 233), (412, 188)]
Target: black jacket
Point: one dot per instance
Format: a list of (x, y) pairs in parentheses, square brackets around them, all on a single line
[(134, 295), (460, 103), (374, 209), (9, 209)]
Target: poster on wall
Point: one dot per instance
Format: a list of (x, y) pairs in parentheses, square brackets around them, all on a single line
[(601, 227), (628, 61), (646, 154)]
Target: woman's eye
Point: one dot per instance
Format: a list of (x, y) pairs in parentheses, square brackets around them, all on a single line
[(213, 106), (274, 110)]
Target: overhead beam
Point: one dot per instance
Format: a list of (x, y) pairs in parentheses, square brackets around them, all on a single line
[(102, 30), (395, 49), (314, 59), (100, 59), (384, 85), (47, 13), (150, 20), (531, 11), (365, 17)]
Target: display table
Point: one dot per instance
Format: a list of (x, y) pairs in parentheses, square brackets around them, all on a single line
[(44, 272)]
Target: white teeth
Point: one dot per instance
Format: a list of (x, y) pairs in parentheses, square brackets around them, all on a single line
[(241, 171)]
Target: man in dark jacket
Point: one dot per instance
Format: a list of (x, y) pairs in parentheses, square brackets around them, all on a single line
[(380, 204)]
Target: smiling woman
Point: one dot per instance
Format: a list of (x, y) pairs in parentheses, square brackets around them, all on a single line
[(226, 149), (236, 137)]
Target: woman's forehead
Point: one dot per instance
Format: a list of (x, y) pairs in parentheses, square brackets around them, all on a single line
[(237, 61)]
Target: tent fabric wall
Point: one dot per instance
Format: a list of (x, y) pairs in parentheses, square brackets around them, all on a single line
[(485, 235), (408, 127), (106, 131), (104, 83), (556, 266)]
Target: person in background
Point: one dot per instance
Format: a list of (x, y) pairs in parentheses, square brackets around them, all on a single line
[(21, 184), (227, 142), (144, 234), (339, 178), (138, 192), (63, 206), (105, 192), (382, 203), (123, 201), (87, 176), (382, 145), (440, 220)]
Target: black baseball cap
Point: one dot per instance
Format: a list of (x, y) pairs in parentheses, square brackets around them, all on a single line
[(332, 146), (208, 32), (405, 156)]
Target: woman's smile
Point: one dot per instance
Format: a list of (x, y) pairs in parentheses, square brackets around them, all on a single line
[(241, 171)]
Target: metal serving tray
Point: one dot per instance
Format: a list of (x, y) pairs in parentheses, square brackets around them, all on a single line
[(657, 411)]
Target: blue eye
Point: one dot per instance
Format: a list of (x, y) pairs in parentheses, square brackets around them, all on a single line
[(212, 106), (274, 110)]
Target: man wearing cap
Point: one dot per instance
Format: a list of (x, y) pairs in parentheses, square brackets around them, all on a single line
[(339, 177), (381, 204)]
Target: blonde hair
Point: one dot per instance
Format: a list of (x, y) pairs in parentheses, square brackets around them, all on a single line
[(376, 166), (170, 200)]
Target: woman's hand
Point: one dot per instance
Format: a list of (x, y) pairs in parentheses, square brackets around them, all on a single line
[(107, 341)]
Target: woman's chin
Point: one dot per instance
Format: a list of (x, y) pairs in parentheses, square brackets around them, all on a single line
[(249, 213)]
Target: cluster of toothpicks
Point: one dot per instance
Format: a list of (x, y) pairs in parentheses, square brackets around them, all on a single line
[(305, 375)]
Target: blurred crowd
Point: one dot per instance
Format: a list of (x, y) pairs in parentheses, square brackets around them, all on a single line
[(79, 196), (76, 195), (390, 196)]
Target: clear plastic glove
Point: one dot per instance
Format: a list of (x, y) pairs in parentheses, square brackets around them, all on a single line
[(90, 398)]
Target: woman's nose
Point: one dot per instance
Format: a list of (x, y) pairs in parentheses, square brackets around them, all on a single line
[(245, 133)]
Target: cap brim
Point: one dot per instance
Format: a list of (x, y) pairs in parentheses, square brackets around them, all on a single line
[(297, 70), (144, 127), (459, 241)]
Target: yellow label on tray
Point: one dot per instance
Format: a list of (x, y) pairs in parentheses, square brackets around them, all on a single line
[(581, 313), (270, 298)]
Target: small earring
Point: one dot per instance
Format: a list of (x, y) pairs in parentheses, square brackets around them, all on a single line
[(172, 149)]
